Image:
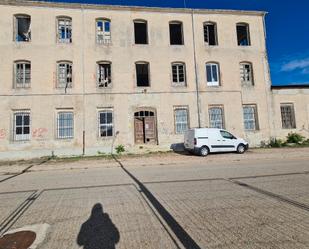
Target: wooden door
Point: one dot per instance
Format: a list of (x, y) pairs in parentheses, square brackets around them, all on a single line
[(150, 130), (139, 130)]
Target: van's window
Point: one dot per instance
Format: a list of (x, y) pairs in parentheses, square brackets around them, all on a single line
[(226, 135)]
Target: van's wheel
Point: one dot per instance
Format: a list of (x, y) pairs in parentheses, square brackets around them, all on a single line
[(241, 149), (204, 151)]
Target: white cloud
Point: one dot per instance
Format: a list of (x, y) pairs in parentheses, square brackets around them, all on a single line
[(302, 64)]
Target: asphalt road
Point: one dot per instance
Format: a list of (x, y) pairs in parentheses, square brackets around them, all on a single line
[(187, 203)]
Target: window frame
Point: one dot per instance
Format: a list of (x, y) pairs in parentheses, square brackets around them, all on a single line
[(213, 83), (255, 117), (205, 24), (148, 72), (243, 73), (67, 84), (248, 44), (26, 81), (15, 30), (181, 108), (65, 128), (98, 75), (182, 33), (179, 83), (136, 21), (68, 29), (23, 137), (292, 124), (221, 107), (106, 35), (112, 124)]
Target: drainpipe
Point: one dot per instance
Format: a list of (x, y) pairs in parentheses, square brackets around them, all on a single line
[(83, 75), (196, 76)]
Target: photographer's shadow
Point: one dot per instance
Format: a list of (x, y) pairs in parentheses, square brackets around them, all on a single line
[(98, 232)]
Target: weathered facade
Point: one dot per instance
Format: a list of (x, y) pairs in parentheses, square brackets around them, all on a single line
[(81, 78)]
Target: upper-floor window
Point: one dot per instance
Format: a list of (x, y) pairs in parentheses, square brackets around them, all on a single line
[(103, 31), (243, 34), (21, 127), (140, 32), (22, 28), (246, 74), (210, 34), (22, 74), (181, 119), (142, 74), (179, 74), (64, 72), (216, 117), (106, 124), (65, 125), (176, 33), (212, 74), (104, 78), (250, 117), (64, 26), (288, 116)]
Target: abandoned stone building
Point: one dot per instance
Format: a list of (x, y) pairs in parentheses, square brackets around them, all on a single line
[(80, 78)]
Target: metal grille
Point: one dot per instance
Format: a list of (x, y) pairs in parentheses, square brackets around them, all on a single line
[(64, 75), (103, 32), (106, 126), (65, 30), (179, 75), (250, 118), (181, 120), (104, 78), (21, 126), (65, 125), (216, 117), (288, 116), (246, 74), (212, 72), (22, 74)]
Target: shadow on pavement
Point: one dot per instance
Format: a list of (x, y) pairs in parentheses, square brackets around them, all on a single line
[(98, 232)]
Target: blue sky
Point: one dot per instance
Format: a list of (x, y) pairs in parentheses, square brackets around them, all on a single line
[(287, 30)]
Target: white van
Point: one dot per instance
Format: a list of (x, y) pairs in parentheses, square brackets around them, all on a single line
[(207, 140)]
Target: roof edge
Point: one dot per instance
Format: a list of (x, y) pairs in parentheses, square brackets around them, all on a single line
[(46, 3)]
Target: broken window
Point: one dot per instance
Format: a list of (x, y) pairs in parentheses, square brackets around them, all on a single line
[(181, 120), (250, 117), (64, 74), (179, 74), (140, 32), (104, 78), (22, 74), (21, 126), (103, 31), (22, 28), (216, 117), (246, 74), (106, 126), (176, 33), (64, 29), (288, 116), (65, 125), (210, 34), (212, 74), (142, 74), (243, 34)]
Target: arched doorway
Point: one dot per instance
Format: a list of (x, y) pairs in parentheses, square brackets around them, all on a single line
[(145, 127)]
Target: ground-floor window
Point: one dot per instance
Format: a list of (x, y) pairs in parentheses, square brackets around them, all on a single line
[(65, 125), (21, 126), (216, 117), (250, 117), (181, 119), (288, 116), (106, 126)]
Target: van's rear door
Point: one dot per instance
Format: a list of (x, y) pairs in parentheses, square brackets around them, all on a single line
[(189, 139)]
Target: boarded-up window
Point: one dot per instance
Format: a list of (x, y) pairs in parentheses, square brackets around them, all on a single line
[(288, 116), (181, 119), (216, 117), (65, 125), (106, 125), (250, 117)]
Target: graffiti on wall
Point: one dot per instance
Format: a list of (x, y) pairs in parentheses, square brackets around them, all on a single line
[(39, 133), (2, 133)]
